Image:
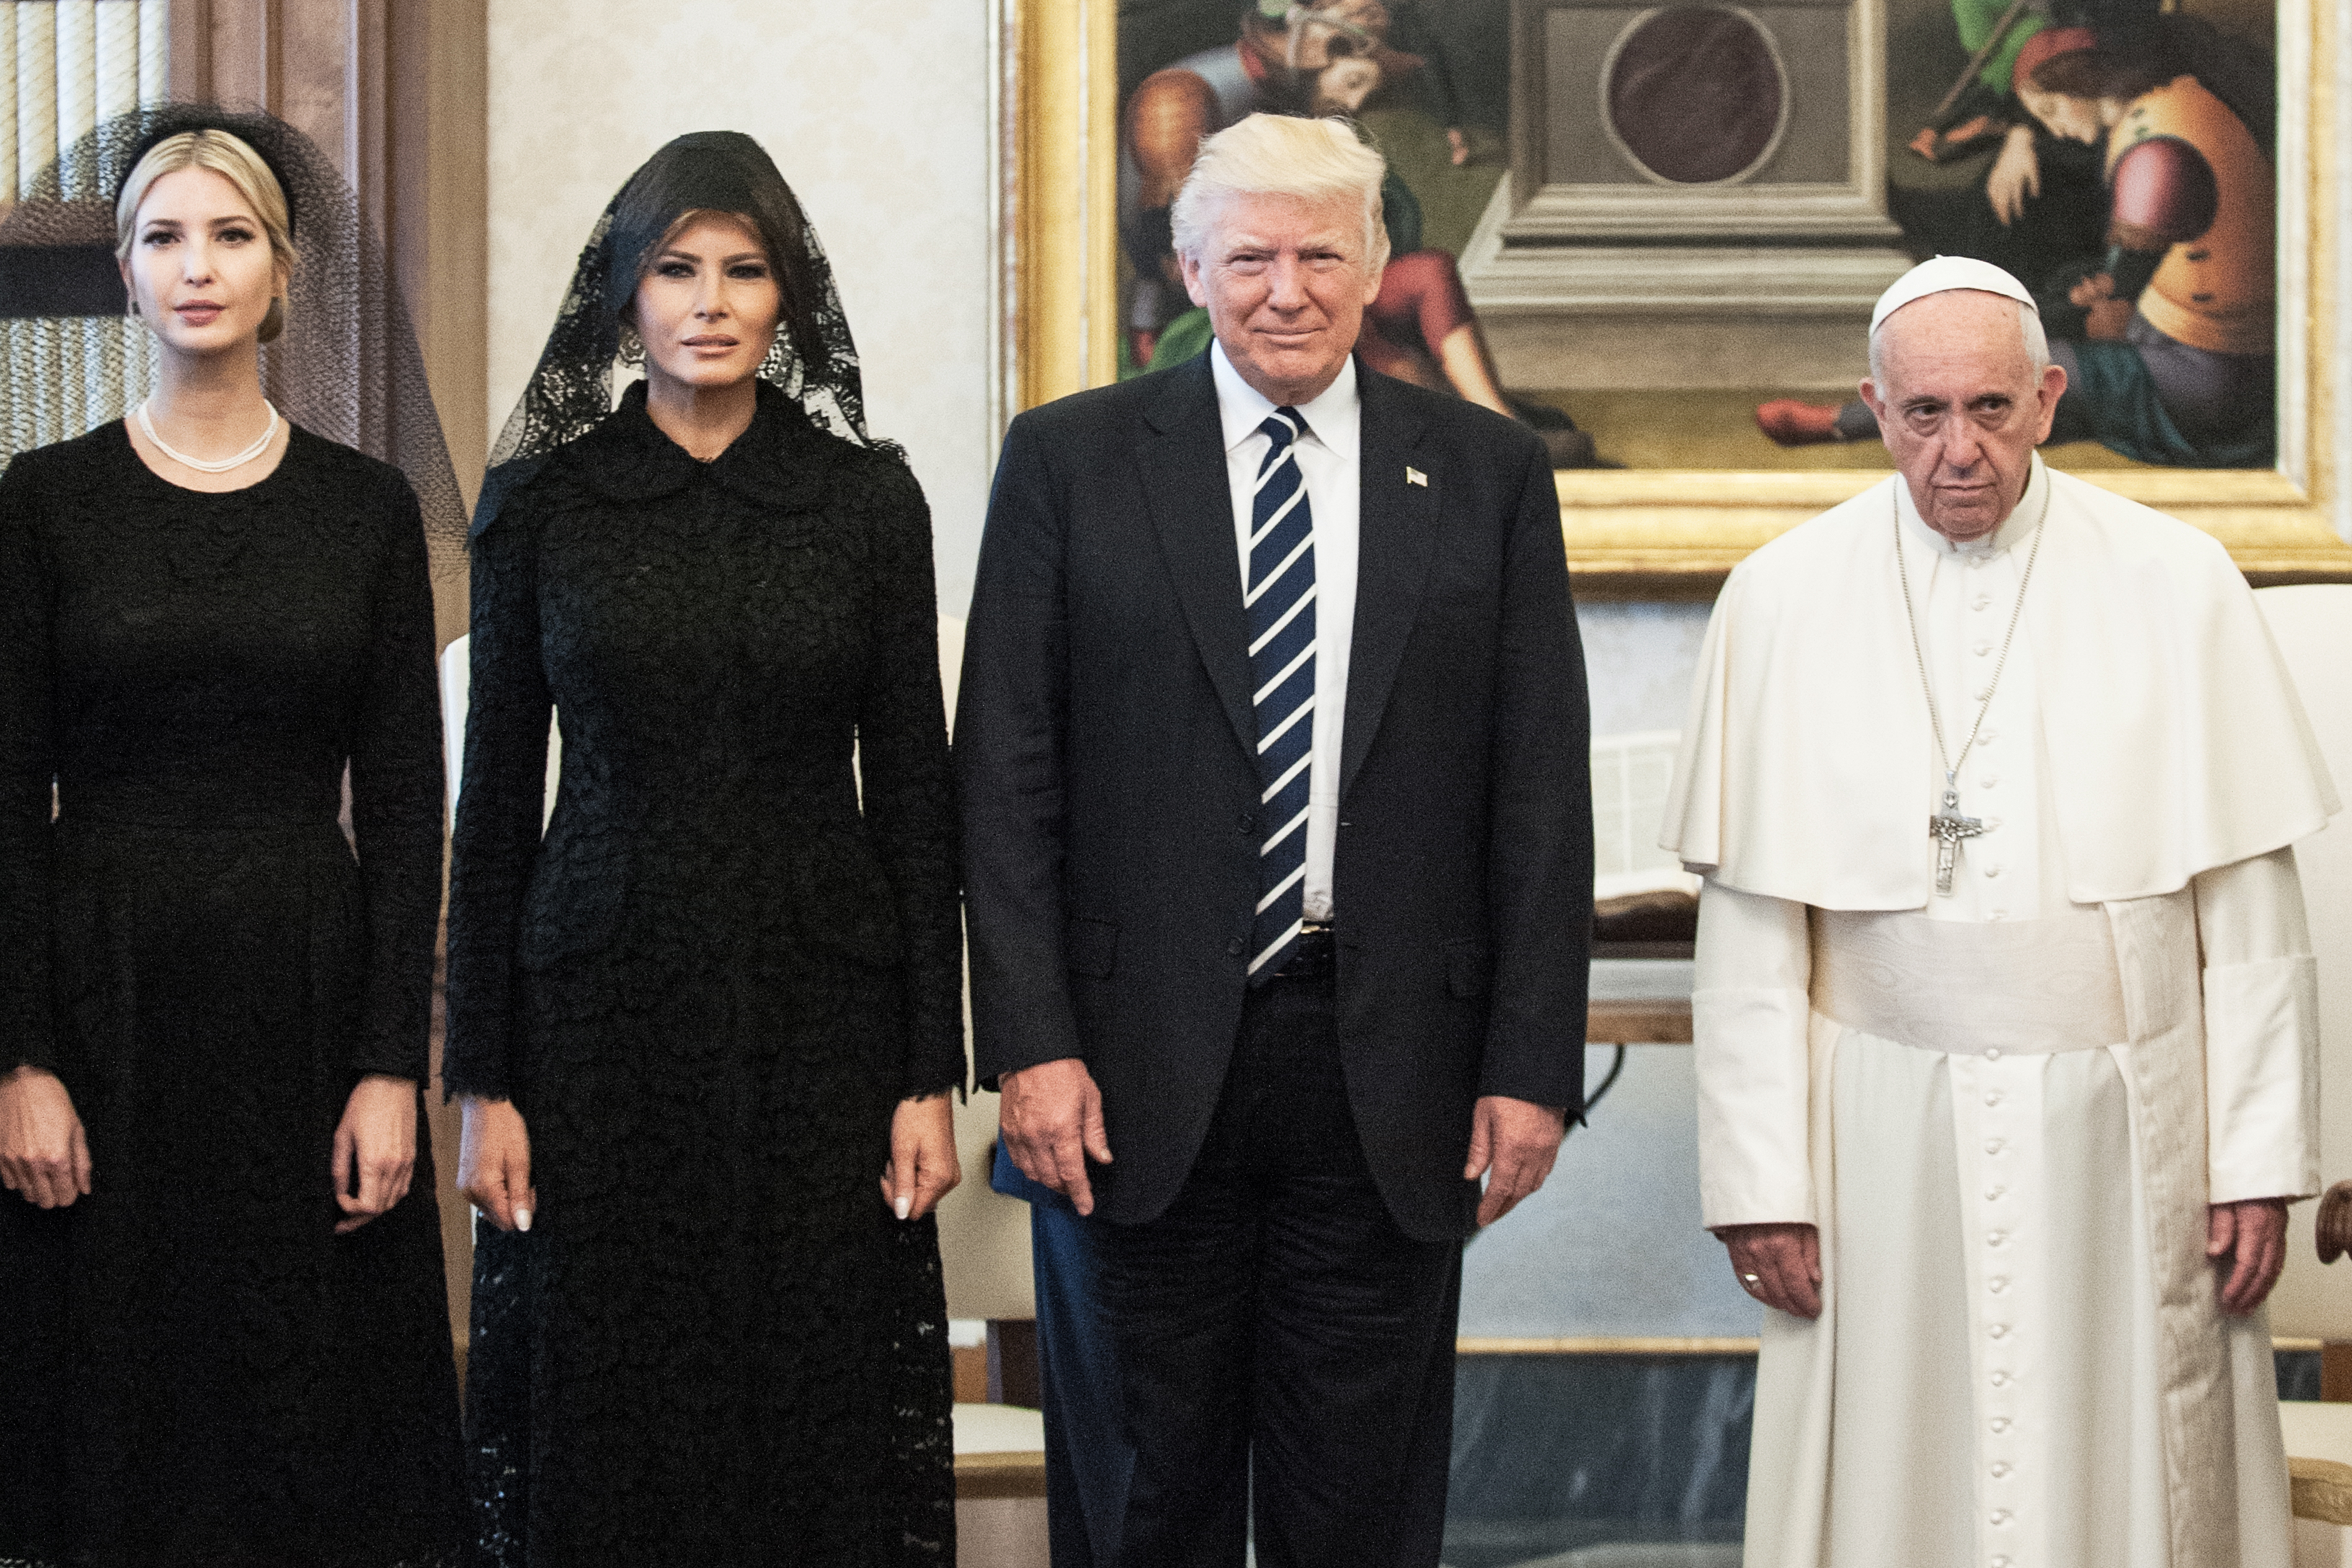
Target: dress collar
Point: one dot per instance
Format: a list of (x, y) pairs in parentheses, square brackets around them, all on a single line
[(2016, 529), (1331, 418), (774, 464)]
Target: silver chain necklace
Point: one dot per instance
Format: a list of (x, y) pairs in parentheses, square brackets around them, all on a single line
[(1947, 826), (211, 465)]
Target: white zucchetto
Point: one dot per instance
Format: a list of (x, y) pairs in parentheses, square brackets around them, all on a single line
[(1941, 274)]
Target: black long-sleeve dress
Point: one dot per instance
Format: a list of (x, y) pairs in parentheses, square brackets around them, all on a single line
[(195, 1368), (705, 989)]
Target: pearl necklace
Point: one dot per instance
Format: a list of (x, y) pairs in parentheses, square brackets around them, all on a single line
[(207, 466)]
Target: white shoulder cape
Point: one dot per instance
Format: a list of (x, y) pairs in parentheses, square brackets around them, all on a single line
[(2175, 740)]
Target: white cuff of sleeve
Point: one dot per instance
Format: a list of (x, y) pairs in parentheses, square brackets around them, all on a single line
[(2262, 1082), (1755, 1097)]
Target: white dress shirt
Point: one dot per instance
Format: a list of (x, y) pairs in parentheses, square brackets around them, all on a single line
[(1327, 462)]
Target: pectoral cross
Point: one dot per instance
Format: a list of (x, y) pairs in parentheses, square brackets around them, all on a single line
[(1948, 828)]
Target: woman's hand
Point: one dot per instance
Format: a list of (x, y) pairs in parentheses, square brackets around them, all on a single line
[(494, 1163), (2016, 175), (378, 1137), (922, 1168), (43, 1153)]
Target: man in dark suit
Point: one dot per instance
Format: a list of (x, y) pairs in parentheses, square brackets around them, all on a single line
[(1273, 748)]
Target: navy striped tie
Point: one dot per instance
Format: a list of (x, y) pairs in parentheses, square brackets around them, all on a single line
[(1281, 602)]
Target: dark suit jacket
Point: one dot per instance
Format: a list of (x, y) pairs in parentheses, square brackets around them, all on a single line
[(1103, 746)]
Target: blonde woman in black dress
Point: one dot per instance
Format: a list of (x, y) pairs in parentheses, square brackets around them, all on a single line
[(226, 1338)]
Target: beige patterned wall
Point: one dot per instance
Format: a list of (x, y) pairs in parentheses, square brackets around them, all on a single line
[(876, 114)]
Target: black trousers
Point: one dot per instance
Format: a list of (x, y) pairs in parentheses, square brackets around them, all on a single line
[(1278, 1337)]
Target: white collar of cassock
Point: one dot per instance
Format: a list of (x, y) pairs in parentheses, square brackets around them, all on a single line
[(2016, 530), (1330, 417)]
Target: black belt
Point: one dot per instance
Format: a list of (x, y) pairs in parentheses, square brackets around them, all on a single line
[(1315, 956)]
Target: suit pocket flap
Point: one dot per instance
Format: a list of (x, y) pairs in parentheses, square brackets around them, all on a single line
[(1091, 947), (1466, 967)]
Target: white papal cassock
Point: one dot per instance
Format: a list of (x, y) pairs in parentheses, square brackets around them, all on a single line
[(2006, 1109)]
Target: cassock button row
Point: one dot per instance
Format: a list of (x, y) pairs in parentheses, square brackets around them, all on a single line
[(2000, 1380), (1995, 1237), (2000, 1516), (1992, 1145), (2000, 1472), (1997, 1284), (1993, 1098), (1992, 1194), (2001, 1562), (1992, 1054), (2000, 1423), (1999, 1331), (1992, 870)]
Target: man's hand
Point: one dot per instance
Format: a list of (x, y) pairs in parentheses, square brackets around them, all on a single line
[(922, 1168), (1051, 1120), (1519, 1142), (43, 1153), (494, 1163), (2252, 1236), (378, 1137), (1780, 1265)]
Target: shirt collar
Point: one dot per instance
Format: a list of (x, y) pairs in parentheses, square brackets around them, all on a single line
[(1330, 417), (2016, 529)]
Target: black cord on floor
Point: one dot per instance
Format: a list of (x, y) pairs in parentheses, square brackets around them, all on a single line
[(1608, 1082)]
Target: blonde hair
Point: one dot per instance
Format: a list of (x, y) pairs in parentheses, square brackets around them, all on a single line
[(1282, 155), (233, 160)]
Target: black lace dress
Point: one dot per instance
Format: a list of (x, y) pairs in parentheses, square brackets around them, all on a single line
[(706, 989), (195, 1368)]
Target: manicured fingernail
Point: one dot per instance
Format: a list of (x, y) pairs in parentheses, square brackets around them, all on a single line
[(522, 1219), (905, 1205)]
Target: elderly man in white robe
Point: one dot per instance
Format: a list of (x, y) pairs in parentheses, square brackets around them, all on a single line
[(2005, 1013)]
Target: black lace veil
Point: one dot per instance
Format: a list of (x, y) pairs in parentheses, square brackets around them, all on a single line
[(812, 358), (347, 366)]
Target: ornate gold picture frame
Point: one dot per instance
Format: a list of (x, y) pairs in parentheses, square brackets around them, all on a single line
[(1670, 532)]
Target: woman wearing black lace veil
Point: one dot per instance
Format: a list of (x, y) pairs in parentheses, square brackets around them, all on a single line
[(693, 1023), (226, 1338)]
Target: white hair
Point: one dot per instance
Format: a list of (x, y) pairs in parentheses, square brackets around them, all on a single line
[(1281, 155), (2029, 327)]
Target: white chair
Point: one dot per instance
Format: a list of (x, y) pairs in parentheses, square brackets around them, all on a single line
[(2314, 628)]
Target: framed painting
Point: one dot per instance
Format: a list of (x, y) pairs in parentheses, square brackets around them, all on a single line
[(1654, 232)]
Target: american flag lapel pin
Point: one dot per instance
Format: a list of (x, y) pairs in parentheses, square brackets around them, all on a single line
[(1413, 476)]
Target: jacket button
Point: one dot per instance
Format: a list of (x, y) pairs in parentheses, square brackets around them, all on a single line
[(1236, 948), (1245, 823)]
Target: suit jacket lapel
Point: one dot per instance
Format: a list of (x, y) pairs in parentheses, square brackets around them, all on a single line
[(1184, 466), (1397, 532)]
